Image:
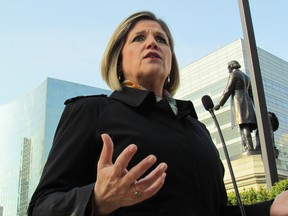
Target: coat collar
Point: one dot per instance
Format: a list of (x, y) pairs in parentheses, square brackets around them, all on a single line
[(137, 97), (133, 97)]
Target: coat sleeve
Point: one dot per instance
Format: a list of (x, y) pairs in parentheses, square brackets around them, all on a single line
[(229, 89), (67, 182)]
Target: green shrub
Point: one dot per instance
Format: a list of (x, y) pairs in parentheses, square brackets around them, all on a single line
[(253, 196), (278, 188)]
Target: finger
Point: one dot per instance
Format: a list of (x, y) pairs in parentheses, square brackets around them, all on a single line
[(155, 187), (124, 158), (107, 152), (279, 206), (150, 191), (152, 177), (137, 171)]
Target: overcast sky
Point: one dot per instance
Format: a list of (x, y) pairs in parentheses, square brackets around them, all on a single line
[(65, 39)]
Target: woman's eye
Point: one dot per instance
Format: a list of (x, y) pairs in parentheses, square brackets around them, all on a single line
[(161, 40), (138, 38)]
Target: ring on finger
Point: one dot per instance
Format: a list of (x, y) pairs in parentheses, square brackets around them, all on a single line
[(136, 192)]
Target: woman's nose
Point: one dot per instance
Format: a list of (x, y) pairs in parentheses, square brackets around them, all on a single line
[(152, 43)]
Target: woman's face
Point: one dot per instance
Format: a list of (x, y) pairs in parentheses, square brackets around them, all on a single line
[(146, 55)]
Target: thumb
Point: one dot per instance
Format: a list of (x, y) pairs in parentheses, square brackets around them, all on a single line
[(107, 152)]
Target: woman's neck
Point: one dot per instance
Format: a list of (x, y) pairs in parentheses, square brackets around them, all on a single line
[(131, 84)]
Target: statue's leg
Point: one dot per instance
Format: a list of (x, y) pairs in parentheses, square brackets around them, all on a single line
[(258, 146), (243, 140), (276, 151), (246, 137), (273, 141)]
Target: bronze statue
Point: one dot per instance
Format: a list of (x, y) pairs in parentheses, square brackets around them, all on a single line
[(273, 125), (242, 106)]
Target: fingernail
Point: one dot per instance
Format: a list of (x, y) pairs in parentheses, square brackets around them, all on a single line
[(152, 159), (163, 166), (132, 148)]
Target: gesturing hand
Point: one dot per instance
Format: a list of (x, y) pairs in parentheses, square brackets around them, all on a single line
[(280, 205), (116, 186)]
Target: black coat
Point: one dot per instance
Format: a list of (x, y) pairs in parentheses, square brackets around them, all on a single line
[(194, 183)]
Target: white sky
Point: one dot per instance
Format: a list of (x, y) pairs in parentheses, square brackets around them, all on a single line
[(65, 39)]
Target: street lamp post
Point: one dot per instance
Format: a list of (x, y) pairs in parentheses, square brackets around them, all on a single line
[(268, 156)]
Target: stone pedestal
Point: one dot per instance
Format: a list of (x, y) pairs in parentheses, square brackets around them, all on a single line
[(249, 172)]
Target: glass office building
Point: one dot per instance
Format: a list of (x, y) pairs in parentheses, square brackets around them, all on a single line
[(27, 128), (209, 76)]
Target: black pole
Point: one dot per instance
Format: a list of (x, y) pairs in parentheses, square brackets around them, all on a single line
[(268, 156)]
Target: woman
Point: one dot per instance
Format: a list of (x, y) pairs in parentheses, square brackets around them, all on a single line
[(172, 169)]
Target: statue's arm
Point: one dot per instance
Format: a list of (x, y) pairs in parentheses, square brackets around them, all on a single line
[(230, 87)]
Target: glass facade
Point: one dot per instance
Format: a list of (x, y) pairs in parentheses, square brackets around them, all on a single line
[(23, 187), (27, 128), (209, 76)]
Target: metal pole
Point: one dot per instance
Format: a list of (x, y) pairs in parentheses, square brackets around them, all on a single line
[(258, 95)]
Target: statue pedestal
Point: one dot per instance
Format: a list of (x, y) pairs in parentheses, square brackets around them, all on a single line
[(248, 170)]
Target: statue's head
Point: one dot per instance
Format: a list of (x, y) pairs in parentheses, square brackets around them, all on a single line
[(233, 65)]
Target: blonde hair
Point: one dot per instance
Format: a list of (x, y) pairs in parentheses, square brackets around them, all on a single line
[(110, 66)]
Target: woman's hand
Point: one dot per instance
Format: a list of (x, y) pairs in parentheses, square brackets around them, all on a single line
[(280, 205), (116, 186)]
